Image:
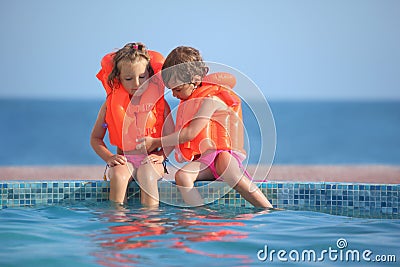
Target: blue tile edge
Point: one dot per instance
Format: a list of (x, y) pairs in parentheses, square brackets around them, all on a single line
[(350, 199)]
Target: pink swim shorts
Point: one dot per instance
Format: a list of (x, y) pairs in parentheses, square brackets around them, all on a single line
[(136, 160), (209, 160)]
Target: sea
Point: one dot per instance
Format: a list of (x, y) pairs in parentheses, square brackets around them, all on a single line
[(57, 132)]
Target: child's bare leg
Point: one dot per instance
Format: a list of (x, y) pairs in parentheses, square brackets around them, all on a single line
[(185, 178), (228, 168), (120, 176), (147, 177), (252, 193)]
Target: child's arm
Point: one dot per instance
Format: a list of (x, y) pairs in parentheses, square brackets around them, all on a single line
[(97, 143), (168, 128), (208, 107)]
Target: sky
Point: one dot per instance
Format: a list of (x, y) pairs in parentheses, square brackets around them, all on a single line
[(291, 50)]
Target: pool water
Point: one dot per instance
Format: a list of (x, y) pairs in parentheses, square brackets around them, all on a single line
[(100, 234)]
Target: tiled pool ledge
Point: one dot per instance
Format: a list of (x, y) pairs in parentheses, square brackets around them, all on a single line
[(349, 199)]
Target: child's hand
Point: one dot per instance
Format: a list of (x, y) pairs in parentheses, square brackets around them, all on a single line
[(116, 160), (146, 144), (153, 158)]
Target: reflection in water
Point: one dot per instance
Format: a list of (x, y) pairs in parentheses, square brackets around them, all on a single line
[(135, 235)]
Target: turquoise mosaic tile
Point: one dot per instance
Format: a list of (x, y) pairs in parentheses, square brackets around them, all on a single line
[(347, 199)]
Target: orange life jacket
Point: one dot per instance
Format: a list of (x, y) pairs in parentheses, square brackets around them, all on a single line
[(127, 121), (225, 128)]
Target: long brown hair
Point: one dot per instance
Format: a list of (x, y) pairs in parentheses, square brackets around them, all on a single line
[(130, 52)]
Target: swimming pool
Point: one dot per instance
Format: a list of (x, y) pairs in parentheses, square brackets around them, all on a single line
[(72, 223), (90, 233)]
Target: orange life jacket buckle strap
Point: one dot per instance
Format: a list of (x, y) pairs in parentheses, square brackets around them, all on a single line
[(140, 108), (150, 131)]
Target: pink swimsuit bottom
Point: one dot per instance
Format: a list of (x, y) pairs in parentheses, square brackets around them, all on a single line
[(136, 160), (209, 160)]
